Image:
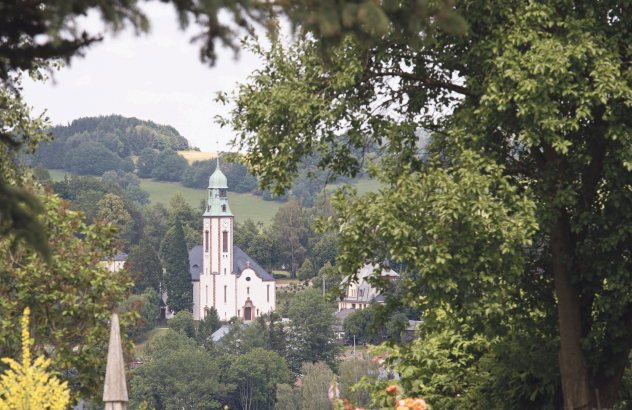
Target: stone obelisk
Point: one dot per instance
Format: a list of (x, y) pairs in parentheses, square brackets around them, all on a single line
[(115, 390)]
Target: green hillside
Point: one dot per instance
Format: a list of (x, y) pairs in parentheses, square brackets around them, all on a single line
[(243, 206)]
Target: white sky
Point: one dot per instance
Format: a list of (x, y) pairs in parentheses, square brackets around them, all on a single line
[(156, 76)]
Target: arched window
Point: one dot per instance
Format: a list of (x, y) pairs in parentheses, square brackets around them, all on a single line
[(223, 208), (222, 193), (206, 240)]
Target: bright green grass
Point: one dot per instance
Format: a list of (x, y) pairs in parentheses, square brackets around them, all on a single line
[(363, 186), (242, 206)]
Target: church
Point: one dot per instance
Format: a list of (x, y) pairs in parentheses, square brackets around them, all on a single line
[(223, 275)]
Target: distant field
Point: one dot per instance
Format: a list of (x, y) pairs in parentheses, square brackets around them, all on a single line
[(363, 186), (193, 156), (242, 206)]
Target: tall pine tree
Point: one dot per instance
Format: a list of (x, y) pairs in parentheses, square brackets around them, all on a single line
[(175, 258), (208, 325), (144, 263)]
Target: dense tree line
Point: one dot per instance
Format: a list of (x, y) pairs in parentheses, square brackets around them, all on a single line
[(251, 367), (94, 145)]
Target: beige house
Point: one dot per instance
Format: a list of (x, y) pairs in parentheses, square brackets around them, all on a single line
[(115, 264), (359, 295)]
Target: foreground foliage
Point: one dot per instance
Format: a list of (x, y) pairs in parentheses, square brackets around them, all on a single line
[(70, 299), (513, 212), (27, 386)]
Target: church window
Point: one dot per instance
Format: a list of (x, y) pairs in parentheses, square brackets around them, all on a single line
[(268, 294), (225, 293), (224, 271), (248, 290), (353, 306), (206, 240), (239, 313), (225, 241), (247, 278), (223, 208), (222, 193)]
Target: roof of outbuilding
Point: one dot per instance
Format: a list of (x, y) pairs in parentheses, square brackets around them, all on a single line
[(196, 257), (240, 262), (120, 257)]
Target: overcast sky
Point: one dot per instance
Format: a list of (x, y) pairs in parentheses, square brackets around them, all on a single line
[(156, 76)]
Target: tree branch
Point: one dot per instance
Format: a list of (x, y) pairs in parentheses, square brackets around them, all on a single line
[(426, 81)]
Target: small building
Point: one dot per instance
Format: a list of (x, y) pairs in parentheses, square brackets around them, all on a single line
[(340, 317), (115, 264), (359, 295)]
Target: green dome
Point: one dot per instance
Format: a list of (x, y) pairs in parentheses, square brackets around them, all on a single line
[(218, 180)]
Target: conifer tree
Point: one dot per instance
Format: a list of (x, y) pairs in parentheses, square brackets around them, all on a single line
[(144, 264), (277, 335), (175, 258), (208, 325)]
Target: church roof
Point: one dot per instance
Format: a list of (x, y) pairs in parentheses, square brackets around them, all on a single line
[(218, 179), (196, 258), (240, 262)]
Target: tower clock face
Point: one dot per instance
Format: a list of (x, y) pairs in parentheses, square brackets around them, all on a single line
[(225, 223)]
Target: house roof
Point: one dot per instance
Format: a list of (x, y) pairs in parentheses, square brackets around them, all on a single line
[(240, 262), (120, 257), (221, 332), (196, 259)]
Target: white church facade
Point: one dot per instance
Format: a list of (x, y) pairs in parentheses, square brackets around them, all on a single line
[(223, 275)]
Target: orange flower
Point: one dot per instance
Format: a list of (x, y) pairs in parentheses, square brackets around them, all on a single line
[(391, 390), (402, 407), (349, 406), (345, 400), (408, 402), (359, 408), (419, 404)]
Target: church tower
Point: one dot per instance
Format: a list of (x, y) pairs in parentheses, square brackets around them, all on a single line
[(218, 283)]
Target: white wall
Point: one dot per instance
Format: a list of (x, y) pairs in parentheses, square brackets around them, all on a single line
[(196, 300), (258, 293)]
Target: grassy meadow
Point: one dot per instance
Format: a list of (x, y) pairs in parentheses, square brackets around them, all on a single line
[(243, 206), (193, 156)]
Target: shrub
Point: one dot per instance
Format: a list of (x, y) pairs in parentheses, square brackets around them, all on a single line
[(91, 158), (138, 194), (127, 165), (146, 162), (169, 166)]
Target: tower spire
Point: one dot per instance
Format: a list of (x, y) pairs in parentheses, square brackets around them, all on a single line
[(217, 142)]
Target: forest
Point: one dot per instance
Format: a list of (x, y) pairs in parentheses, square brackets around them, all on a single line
[(124, 149)]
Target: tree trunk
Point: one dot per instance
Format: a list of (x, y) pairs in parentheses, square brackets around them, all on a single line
[(573, 367)]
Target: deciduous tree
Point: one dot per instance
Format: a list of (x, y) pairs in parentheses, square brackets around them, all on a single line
[(534, 132), (290, 225), (111, 209), (70, 299), (310, 335), (256, 375)]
